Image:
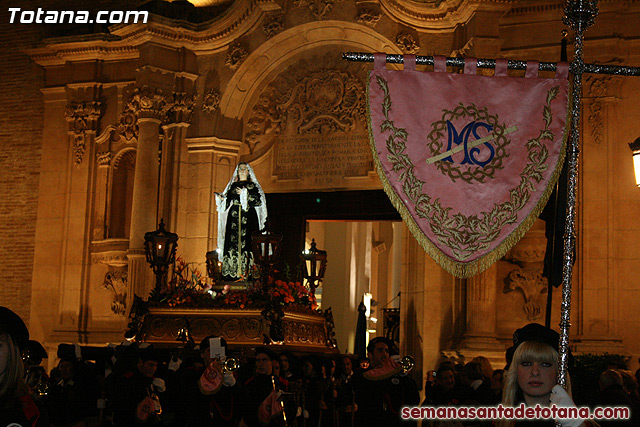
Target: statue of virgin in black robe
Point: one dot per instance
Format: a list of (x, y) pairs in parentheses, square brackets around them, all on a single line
[(242, 210)]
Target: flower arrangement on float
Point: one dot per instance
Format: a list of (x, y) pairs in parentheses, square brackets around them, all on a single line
[(188, 288)]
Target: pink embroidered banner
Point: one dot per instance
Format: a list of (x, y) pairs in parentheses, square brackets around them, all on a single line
[(469, 161)]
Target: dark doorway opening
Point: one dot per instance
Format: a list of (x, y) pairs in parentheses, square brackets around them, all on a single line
[(289, 212)]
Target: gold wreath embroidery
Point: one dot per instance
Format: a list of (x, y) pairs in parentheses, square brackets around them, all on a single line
[(463, 234)]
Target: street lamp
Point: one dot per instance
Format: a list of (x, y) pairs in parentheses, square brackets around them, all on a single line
[(314, 264), (635, 148), (266, 246), (160, 248), (214, 266)]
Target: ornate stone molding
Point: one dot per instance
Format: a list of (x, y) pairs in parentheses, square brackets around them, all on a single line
[(313, 102), (181, 108), (368, 17), (407, 44), (211, 101), (128, 126), (82, 117), (274, 25), (235, 55), (318, 8), (439, 14), (104, 158), (532, 285), (148, 102), (596, 90)]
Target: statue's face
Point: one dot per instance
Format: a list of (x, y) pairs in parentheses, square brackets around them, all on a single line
[(243, 172)]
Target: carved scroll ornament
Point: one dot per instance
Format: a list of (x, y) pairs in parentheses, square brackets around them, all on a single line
[(319, 102), (82, 118)]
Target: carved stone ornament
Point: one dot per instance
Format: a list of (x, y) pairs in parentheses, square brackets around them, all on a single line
[(181, 109), (532, 285), (274, 25), (148, 102), (407, 44), (368, 17), (104, 158), (236, 55), (318, 8), (211, 101), (82, 118), (128, 126), (116, 282), (596, 90), (315, 102)]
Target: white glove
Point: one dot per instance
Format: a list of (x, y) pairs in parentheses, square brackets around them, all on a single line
[(174, 364), (561, 399), (159, 385), (228, 379)]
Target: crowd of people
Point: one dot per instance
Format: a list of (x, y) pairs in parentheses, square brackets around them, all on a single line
[(218, 386)]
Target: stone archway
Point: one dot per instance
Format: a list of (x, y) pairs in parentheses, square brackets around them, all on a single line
[(283, 48)]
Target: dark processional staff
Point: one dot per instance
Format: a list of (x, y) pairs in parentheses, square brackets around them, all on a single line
[(579, 15)]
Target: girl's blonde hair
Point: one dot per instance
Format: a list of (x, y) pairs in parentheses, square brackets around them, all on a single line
[(12, 385)]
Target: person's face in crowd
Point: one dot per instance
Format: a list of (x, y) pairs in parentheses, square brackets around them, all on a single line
[(536, 379), (66, 370), (206, 356), (263, 364), (379, 355), (447, 379), (4, 355), (243, 172), (275, 368), (147, 367), (348, 366), (497, 381), (284, 364), (307, 369)]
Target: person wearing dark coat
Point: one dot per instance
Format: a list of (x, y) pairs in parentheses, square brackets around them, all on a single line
[(262, 394), (210, 394), (136, 394), (384, 389), (612, 394)]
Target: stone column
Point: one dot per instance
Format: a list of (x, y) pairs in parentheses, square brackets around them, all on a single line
[(480, 337), (173, 143), (150, 106)]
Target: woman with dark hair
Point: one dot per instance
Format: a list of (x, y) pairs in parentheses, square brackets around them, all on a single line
[(17, 407), (242, 210), (532, 376)]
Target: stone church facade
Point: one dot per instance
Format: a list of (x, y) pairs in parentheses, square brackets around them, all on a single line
[(263, 81)]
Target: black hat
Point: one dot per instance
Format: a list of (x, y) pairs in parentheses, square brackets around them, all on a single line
[(536, 332), (264, 350), (376, 340), (36, 351), (12, 324)]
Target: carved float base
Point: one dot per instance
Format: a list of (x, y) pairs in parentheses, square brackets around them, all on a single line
[(304, 332)]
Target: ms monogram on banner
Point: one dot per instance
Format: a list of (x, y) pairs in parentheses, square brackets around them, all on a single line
[(483, 155)]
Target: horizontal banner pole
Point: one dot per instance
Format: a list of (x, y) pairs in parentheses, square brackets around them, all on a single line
[(491, 63)]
